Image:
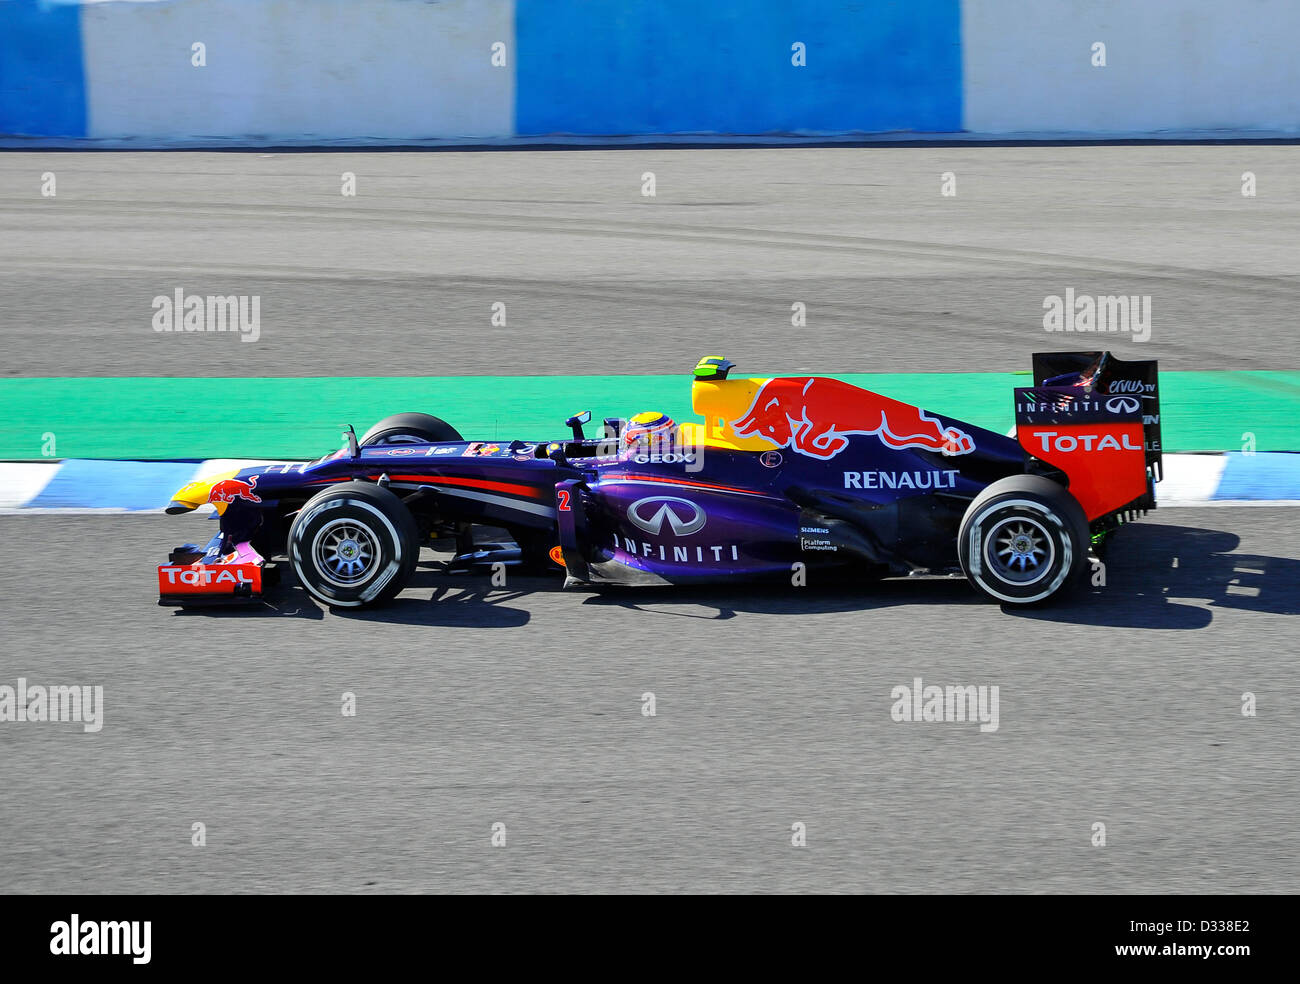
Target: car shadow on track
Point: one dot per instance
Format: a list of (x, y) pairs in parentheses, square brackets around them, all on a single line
[(1155, 576), (1159, 576), (432, 598), (436, 598), (279, 603), (785, 599)]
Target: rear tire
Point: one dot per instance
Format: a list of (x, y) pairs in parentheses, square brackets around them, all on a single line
[(354, 544), (410, 428), (1023, 540)]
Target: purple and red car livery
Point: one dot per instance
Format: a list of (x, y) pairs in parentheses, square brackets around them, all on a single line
[(781, 475)]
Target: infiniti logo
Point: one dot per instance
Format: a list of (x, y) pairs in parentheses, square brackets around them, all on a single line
[(684, 517), (1122, 404)]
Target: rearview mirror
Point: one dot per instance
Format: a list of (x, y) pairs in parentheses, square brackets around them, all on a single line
[(576, 421)]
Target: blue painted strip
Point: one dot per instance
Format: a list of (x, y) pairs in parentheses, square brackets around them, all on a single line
[(1260, 476), (42, 77), (681, 66), (114, 485)]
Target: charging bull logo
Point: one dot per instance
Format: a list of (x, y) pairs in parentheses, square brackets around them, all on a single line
[(813, 416), (230, 489)]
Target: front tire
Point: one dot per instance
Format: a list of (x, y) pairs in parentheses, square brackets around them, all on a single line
[(410, 428), (1024, 539), (354, 544)]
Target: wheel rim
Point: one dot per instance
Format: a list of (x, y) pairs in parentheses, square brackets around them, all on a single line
[(1020, 550), (345, 552)]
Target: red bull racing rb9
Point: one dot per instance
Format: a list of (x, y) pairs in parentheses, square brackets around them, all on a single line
[(801, 474)]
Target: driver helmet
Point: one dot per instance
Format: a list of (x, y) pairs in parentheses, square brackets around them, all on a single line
[(649, 430)]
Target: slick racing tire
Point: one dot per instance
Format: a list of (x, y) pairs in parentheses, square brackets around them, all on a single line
[(410, 428), (354, 544), (1024, 539)]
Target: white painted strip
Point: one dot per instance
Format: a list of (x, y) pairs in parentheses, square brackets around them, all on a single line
[(22, 481), (1189, 478), (215, 466)]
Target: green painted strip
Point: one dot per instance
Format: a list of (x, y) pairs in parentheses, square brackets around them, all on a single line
[(169, 418)]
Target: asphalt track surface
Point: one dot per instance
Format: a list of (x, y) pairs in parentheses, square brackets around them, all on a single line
[(521, 704), (401, 278)]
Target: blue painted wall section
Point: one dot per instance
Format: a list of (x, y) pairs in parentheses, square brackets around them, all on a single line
[(599, 67), (42, 80)]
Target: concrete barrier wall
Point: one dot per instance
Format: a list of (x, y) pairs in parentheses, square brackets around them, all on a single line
[(729, 66), (1170, 65), (299, 69), (409, 71)]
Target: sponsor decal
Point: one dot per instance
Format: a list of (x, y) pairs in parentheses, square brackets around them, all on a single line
[(665, 458), (398, 451), (231, 575), (817, 538), (1046, 406), (441, 450), (1056, 403), (1123, 404), (770, 459), (1137, 390), (676, 554), (1133, 386), (1053, 441), (815, 417), (481, 450), (522, 457), (875, 480), (817, 544), (230, 489), (683, 516)]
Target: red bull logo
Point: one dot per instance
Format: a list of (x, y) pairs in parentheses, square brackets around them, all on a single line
[(815, 417), (230, 489)]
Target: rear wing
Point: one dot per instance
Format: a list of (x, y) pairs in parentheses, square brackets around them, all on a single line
[(1096, 418), (1110, 376)]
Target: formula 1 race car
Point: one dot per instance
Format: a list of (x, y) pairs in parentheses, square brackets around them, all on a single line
[(788, 474)]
